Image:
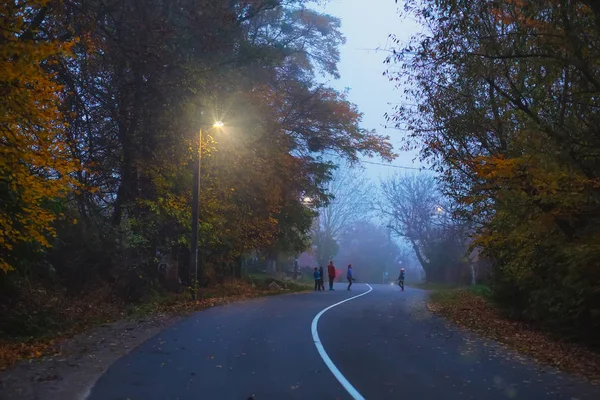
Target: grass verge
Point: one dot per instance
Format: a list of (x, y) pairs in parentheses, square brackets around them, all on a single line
[(472, 308), (100, 307)]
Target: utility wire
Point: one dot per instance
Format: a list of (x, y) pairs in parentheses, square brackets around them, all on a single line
[(393, 166)]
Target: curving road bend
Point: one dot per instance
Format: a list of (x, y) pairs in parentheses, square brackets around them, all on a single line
[(383, 344)]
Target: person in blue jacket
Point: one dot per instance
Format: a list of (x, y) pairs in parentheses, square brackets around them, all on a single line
[(350, 276), (321, 278), (317, 277)]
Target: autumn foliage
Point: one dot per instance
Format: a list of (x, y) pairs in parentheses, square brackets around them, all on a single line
[(104, 107), (507, 112), (35, 161)]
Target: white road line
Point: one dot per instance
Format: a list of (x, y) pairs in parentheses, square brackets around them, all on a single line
[(336, 372)]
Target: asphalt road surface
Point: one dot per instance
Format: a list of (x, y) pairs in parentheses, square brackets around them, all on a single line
[(380, 345)]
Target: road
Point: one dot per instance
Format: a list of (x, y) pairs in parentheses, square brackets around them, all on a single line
[(382, 345)]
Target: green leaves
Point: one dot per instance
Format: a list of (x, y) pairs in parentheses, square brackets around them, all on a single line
[(506, 97)]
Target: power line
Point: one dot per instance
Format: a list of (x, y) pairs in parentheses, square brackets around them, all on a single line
[(393, 166)]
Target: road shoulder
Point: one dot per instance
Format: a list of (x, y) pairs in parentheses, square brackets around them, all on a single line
[(79, 361), (470, 309)]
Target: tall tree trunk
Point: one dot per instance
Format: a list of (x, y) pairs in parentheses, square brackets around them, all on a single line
[(431, 274)]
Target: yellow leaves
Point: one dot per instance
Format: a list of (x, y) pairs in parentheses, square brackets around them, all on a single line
[(35, 162), (534, 175), (491, 167), (4, 266)]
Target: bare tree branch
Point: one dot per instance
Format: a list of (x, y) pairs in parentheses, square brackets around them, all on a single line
[(352, 201)]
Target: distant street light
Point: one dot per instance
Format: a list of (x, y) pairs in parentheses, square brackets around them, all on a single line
[(195, 209)]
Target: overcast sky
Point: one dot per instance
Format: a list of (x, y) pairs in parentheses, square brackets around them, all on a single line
[(367, 25)]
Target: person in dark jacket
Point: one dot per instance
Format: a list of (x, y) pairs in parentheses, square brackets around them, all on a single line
[(317, 277), (401, 279), (321, 278), (331, 274), (350, 276)]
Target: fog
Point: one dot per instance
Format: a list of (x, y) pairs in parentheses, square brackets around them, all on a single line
[(371, 222), (353, 223)]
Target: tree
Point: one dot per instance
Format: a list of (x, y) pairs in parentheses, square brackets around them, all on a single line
[(351, 201), (109, 131), (103, 106), (507, 96), (36, 164), (144, 79), (418, 212)]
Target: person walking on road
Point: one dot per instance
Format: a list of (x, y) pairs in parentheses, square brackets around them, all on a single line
[(317, 278), (401, 279), (321, 278), (350, 276), (331, 274)]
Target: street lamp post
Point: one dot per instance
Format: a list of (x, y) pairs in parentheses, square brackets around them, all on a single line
[(195, 212)]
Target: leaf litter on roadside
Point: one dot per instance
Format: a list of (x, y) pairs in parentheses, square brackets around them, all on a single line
[(475, 313), (95, 310)]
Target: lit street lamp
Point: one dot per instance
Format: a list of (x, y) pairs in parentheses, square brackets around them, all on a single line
[(195, 210)]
